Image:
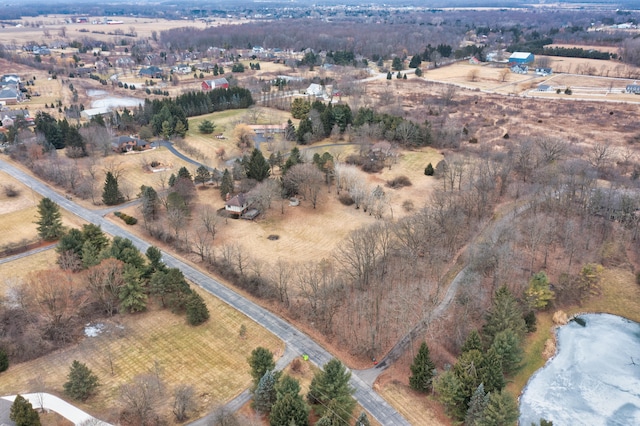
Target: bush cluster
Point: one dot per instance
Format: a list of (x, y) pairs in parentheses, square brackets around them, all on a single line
[(129, 220), (399, 182)]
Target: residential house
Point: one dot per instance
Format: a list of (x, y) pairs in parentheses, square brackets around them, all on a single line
[(9, 79), (633, 88), (151, 72), (520, 69), (237, 204), (182, 69), (315, 89), (218, 83), (9, 96), (544, 71), (129, 143), (7, 122), (545, 88), (89, 113)]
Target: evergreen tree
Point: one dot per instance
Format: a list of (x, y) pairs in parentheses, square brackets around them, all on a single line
[(473, 342), (23, 413), (538, 293), (468, 370), (451, 394), (422, 370), (477, 405), (363, 420), (491, 372), (180, 129), (257, 167), (290, 131), (4, 360), (81, 382), (260, 361), (202, 175), (150, 202), (154, 256), (226, 184), (507, 346), (50, 222), (265, 394), (197, 311), (75, 143), (132, 295), (396, 64), (428, 171), (389, 75), (330, 388), (289, 410), (304, 127), (111, 195), (287, 385), (418, 72), (172, 179), (505, 313), (207, 127), (415, 62), (124, 250), (184, 173), (293, 159), (501, 410)]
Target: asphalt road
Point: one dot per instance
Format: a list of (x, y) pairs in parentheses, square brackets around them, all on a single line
[(296, 341)]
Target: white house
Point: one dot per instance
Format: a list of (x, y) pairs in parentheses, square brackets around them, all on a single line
[(237, 205), (315, 89)]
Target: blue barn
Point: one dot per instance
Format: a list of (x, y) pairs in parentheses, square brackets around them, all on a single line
[(521, 58)]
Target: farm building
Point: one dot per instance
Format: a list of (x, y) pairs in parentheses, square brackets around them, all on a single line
[(218, 83), (544, 71), (633, 88), (521, 58), (93, 112), (545, 88)]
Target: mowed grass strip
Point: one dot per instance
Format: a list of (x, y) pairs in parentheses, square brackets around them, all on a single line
[(413, 406), (211, 357)]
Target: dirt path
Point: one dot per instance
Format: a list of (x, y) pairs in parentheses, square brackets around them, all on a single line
[(490, 230)]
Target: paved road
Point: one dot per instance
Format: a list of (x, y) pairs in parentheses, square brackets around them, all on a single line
[(170, 147), (297, 342), (27, 253)]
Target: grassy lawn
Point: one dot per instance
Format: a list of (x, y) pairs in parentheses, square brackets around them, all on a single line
[(12, 272), (211, 357), (416, 408), (620, 295)]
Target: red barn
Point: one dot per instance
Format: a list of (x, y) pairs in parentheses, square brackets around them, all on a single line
[(218, 83)]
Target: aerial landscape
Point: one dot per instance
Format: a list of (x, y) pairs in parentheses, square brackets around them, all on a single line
[(331, 213)]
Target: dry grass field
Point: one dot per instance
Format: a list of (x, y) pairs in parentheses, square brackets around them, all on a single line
[(11, 273), (417, 408), (18, 214), (211, 357)]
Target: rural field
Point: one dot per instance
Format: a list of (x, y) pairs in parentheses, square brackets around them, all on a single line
[(211, 357)]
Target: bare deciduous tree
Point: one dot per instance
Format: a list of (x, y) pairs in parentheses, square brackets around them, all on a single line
[(184, 401), (141, 399)]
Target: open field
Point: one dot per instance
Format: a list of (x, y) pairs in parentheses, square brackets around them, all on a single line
[(417, 408), (18, 214), (211, 357), (11, 273)]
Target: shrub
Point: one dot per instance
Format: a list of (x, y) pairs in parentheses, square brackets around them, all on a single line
[(429, 170), (473, 140), (4, 360), (346, 199), (11, 191), (408, 206), (399, 182), (506, 136), (129, 220)]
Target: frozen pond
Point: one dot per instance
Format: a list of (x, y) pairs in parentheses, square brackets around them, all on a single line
[(594, 379), (116, 102), (93, 93)]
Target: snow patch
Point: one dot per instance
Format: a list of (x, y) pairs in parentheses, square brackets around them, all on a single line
[(93, 330)]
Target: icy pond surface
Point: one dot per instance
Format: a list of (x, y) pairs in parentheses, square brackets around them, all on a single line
[(116, 102), (594, 379)]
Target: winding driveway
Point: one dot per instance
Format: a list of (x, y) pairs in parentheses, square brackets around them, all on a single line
[(296, 341)]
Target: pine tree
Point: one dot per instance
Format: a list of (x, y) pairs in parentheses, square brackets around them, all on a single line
[(226, 184), (505, 313), (50, 223), (4, 360), (468, 370), (477, 405), (207, 127), (538, 292), (451, 394), (81, 382), (132, 295), (507, 346), (473, 342), (111, 195), (418, 72), (501, 410), (491, 372), (289, 407), (363, 420), (422, 370), (150, 202), (428, 171), (260, 361), (389, 75), (197, 311), (23, 413), (257, 167), (202, 175), (330, 388), (265, 394)]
